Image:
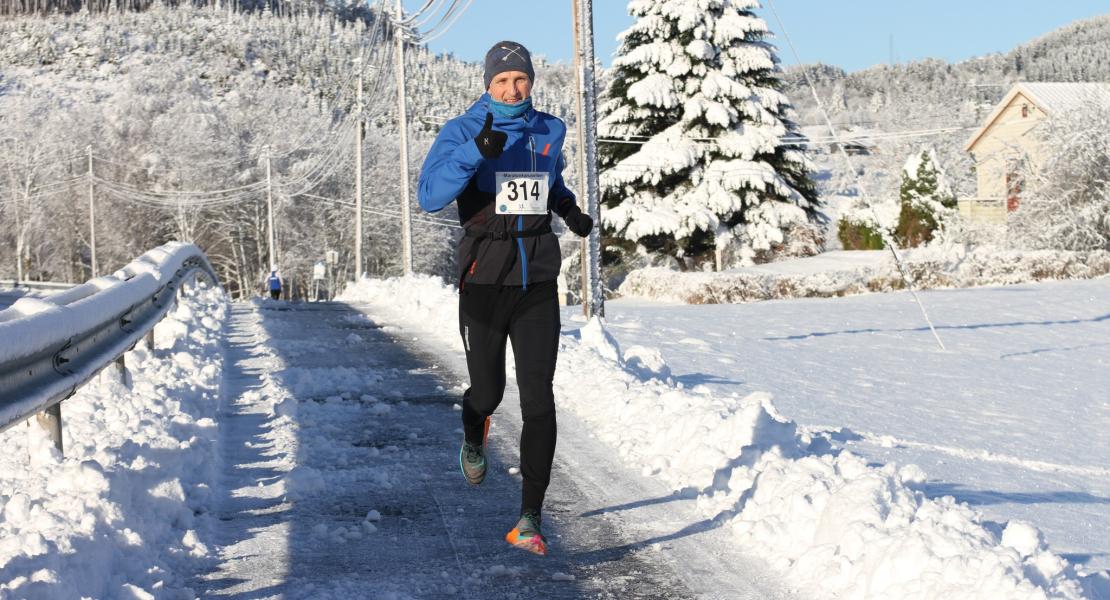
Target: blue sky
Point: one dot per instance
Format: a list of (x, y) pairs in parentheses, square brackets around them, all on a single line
[(852, 34)]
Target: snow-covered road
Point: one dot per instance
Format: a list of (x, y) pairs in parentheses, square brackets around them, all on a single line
[(340, 478)]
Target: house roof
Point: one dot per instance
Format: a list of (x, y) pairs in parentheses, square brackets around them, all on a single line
[(1050, 97)]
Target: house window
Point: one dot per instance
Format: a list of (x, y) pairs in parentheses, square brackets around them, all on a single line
[(1024, 111)]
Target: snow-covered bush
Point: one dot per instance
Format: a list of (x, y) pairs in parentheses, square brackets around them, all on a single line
[(859, 234), (692, 160), (1066, 204)]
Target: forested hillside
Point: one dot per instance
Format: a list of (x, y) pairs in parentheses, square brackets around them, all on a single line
[(934, 92), (923, 96), (175, 101)]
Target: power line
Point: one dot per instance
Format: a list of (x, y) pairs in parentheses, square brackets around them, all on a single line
[(859, 183), (423, 219), (433, 34)]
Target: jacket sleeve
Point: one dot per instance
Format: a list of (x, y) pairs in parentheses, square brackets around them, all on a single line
[(451, 162), (560, 199)]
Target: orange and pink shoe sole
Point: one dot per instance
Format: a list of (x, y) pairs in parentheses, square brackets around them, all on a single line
[(534, 544)]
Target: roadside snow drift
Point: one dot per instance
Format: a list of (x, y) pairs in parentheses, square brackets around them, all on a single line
[(835, 526), (123, 514)]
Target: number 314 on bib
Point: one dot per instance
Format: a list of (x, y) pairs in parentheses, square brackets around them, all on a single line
[(522, 193)]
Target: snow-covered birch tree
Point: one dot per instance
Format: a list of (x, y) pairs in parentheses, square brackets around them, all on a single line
[(1067, 204), (702, 159)]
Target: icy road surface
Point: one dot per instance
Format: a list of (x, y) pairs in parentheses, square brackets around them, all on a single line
[(340, 447)]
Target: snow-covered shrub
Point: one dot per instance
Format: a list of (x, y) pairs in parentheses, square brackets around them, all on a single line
[(929, 267), (927, 202), (698, 170), (1067, 202), (859, 235)]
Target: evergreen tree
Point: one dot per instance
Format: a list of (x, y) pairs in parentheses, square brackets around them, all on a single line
[(695, 93), (927, 202)]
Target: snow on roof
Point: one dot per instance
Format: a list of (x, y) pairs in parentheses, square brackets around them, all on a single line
[(1058, 97), (1052, 97)]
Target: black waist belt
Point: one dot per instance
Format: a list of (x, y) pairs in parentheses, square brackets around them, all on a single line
[(507, 235), (497, 236)]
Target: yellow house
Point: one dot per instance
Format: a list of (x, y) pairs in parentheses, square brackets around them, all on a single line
[(1009, 137)]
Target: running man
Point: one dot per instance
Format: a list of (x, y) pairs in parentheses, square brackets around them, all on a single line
[(502, 161), (274, 283)]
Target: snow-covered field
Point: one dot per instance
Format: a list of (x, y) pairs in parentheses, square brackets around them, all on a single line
[(125, 513), (839, 518), (1013, 419)]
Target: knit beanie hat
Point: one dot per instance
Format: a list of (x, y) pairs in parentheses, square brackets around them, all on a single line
[(508, 56)]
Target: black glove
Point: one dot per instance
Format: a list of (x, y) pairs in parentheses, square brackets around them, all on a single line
[(490, 143), (579, 222)]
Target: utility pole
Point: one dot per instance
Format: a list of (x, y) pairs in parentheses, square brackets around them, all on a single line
[(92, 218), (358, 176), (402, 120), (270, 211), (592, 299)]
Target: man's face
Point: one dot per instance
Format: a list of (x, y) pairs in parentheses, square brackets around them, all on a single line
[(510, 87)]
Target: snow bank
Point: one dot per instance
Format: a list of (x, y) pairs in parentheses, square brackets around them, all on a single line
[(844, 273), (125, 512), (832, 524)]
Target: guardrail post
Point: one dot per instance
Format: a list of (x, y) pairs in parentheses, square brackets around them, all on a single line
[(150, 340), (121, 369), (51, 420)]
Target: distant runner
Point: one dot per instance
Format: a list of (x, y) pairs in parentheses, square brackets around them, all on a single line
[(273, 283), (502, 161)]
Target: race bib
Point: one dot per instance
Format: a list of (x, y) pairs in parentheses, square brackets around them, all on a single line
[(522, 193)]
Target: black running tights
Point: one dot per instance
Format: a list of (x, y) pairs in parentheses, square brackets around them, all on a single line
[(488, 316)]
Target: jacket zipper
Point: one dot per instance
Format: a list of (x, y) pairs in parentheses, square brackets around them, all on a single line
[(520, 224)]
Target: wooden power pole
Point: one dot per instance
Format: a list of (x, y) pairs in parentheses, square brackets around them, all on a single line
[(358, 176), (402, 120)]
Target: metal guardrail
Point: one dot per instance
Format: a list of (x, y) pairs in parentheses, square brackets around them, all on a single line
[(11, 284), (52, 345)]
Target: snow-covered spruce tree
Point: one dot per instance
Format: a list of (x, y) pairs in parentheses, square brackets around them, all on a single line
[(1066, 204), (927, 202), (705, 174)]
